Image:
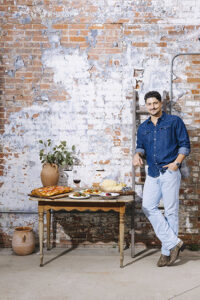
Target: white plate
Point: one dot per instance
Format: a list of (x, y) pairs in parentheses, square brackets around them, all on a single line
[(111, 196), (81, 197)]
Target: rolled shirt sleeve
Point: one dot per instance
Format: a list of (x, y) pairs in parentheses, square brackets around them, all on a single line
[(139, 145), (184, 150), (182, 137)]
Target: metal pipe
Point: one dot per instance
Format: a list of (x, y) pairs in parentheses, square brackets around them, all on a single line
[(171, 78)]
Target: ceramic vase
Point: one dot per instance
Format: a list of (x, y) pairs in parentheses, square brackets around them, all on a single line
[(23, 241), (49, 174)]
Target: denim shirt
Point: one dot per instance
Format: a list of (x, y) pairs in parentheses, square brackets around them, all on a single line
[(161, 143)]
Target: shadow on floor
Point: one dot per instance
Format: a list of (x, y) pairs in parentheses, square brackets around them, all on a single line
[(183, 259), (59, 255), (148, 253), (136, 258)]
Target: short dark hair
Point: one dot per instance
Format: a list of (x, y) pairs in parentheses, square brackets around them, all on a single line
[(153, 94)]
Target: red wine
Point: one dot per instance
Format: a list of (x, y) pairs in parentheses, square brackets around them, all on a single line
[(77, 181)]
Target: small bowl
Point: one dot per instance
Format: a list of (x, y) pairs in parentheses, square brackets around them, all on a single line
[(111, 196)]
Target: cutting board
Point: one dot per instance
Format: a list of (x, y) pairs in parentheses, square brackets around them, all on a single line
[(51, 197), (124, 193)]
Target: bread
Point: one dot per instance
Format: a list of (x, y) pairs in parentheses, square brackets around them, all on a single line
[(109, 185)]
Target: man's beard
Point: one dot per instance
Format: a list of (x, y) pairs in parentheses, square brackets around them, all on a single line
[(154, 112)]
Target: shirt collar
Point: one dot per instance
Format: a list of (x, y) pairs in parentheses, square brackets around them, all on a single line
[(163, 116)]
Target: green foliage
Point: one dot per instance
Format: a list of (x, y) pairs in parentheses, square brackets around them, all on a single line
[(60, 154)]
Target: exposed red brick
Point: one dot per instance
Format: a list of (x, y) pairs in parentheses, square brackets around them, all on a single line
[(140, 44), (196, 62), (162, 44), (193, 80), (175, 32), (77, 39), (60, 26), (139, 32)]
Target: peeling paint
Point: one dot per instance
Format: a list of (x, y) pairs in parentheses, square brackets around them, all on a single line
[(67, 68), (19, 63), (180, 11)]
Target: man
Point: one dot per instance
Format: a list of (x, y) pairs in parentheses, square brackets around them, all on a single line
[(163, 140)]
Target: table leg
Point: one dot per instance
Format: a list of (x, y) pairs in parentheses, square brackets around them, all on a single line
[(41, 232), (54, 229), (121, 234), (133, 230), (48, 228)]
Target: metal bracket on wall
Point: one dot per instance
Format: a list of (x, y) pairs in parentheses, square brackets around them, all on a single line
[(171, 74)]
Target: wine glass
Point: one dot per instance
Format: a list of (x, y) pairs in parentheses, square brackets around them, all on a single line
[(76, 179)]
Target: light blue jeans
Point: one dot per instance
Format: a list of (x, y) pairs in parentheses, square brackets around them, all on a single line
[(165, 187)]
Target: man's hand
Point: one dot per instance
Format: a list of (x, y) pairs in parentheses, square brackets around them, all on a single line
[(137, 160), (172, 166)]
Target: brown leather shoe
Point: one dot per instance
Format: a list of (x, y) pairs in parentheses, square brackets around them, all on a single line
[(174, 252), (163, 260)]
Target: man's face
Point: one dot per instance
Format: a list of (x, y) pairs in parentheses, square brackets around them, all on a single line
[(154, 106)]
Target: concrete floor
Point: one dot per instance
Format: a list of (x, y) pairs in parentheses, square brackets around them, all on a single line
[(94, 274)]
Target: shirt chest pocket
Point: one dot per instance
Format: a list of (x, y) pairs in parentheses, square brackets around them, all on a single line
[(165, 129), (146, 136), (164, 133)]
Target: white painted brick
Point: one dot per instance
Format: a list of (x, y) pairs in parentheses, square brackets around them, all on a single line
[(195, 169), (193, 231), (188, 121), (190, 103), (193, 139), (195, 174), (116, 150), (187, 109)]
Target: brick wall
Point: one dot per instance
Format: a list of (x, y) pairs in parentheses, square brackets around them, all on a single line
[(68, 70), (187, 89)]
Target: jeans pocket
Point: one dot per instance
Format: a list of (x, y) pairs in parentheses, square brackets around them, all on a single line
[(171, 171)]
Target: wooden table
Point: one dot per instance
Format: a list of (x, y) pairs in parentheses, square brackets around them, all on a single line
[(93, 203)]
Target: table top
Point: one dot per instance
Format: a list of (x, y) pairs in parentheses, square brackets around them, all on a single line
[(96, 199)]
